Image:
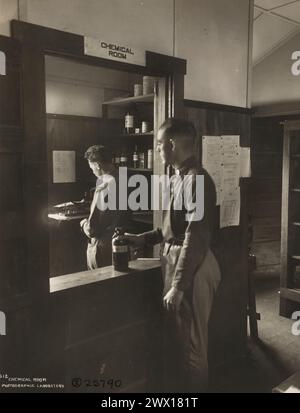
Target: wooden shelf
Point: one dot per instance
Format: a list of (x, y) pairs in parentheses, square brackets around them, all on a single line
[(140, 170), (136, 135), (130, 100), (292, 294), (296, 190), (296, 257), (296, 224)]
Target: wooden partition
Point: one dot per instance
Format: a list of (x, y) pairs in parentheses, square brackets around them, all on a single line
[(37, 328), (67, 243), (108, 334), (13, 248), (228, 326)]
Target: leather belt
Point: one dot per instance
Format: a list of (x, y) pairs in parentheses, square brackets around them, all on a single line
[(175, 241)]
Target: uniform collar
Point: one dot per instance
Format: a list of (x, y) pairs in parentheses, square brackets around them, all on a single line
[(186, 165)]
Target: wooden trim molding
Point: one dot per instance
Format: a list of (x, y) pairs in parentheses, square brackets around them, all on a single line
[(70, 45), (38, 41), (216, 106)]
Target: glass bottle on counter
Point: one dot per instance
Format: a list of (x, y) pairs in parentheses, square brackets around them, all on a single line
[(120, 251)]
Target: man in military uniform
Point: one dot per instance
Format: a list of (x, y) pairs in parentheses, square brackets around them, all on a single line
[(102, 221), (190, 271)]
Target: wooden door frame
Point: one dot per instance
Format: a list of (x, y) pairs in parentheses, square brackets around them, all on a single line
[(38, 41)]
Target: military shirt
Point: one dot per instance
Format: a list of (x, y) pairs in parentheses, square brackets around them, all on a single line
[(195, 236)]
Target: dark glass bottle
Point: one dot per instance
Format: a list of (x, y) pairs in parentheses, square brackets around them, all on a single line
[(120, 251)]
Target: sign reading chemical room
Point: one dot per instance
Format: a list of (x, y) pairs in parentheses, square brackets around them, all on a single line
[(114, 51)]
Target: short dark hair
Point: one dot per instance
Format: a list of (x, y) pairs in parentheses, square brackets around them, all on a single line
[(98, 153), (179, 128)]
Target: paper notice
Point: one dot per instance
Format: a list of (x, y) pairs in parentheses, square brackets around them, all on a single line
[(245, 163), (231, 176), (230, 149), (63, 167), (230, 209), (212, 162), (230, 142)]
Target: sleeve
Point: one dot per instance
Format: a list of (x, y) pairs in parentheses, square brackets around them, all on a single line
[(93, 225), (153, 237), (197, 238), (86, 228)]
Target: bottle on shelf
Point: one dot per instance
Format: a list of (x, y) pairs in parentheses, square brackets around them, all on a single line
[(123, 159), (135, 158), (117, 160), (142, 160), (129, 123), (150, 159), (145, 127)]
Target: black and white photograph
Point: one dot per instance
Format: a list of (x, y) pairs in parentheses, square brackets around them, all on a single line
[(149, 199)]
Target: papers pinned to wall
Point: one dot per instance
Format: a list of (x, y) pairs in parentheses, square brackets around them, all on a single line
[(230, 209), (230, 167), (63, 167), (226, 162), (212, 160)]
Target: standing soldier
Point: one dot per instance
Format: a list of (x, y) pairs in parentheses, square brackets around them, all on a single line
[(190, 270)]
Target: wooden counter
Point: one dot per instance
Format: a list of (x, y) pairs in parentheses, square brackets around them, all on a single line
[(106, 325), (66, 282)]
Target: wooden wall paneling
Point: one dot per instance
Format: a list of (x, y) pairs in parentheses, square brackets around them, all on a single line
[(35, 158), (161, 105), (289, 299), (265, 190), (110, 335), (13, 263)]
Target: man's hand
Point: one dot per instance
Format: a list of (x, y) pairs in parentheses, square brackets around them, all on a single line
[(85, 228), (173, 299), (82, 222), (136, 240)]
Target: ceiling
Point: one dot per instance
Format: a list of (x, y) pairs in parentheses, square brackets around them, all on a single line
[(275, 22)]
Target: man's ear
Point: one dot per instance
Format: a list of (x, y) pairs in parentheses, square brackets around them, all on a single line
[(173, 144)]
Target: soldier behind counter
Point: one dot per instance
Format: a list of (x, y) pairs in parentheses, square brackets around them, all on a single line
[(190, 270), (100, 225)]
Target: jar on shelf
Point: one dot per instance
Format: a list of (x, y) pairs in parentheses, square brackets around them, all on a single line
[(148, 85), (145, 127), (138, 90), (142, 160)]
